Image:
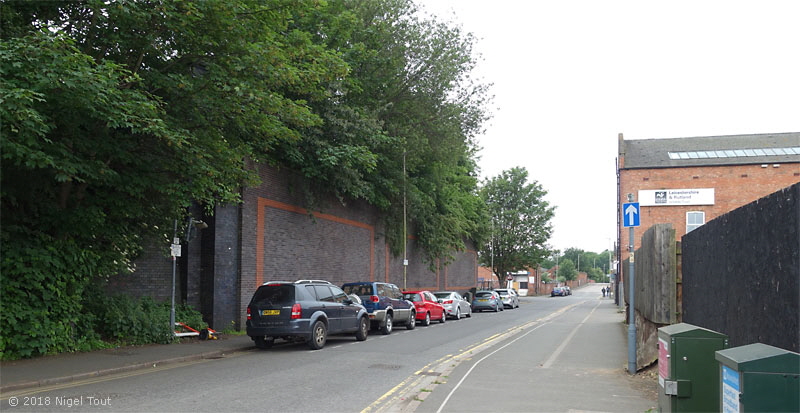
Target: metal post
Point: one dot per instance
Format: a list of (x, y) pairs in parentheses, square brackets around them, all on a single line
[(174, 262), (632, 314), (405, 227)]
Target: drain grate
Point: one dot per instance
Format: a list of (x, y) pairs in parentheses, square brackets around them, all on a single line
[(385, 366)]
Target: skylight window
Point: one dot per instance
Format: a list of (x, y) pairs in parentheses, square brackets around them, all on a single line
[(735, 153)]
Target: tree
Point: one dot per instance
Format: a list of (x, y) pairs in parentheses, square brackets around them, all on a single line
[(117, 116), (520, 222), (409, 99), (566, 270)]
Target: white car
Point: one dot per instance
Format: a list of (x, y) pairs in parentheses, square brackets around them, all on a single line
[(454, 304), (509, 296)]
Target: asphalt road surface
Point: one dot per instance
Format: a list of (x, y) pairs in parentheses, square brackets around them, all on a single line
[(551, 354)]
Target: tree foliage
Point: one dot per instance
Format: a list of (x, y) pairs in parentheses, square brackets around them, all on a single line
[(520, 222), (567, 270), (408, 99), (595, 265), (116, 116)]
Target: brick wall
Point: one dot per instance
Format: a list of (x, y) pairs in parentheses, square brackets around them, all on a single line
[(271, 236), (153, 275), (734, 186), (282, 240)]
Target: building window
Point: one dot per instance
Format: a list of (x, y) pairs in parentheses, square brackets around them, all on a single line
[(694, 219)]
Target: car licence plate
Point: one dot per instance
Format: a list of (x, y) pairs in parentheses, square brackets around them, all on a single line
[(270, 312), (483, 300)]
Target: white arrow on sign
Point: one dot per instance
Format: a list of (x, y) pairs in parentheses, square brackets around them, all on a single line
[(631, 212)]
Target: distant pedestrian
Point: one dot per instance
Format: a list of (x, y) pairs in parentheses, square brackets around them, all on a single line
[(604, 291)]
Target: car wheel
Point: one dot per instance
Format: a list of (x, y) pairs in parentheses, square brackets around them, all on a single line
[(319, 335), (363, 329), (469, 312), (427, 320), (444, 318), (496, 309), (387, 325), (412, 321), (458, 314), (263, 342)]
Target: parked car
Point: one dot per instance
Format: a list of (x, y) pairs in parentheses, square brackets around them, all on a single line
[(487, 300), (557, 291), (307, 310), (427, 306), (454, 304), (567, 290), (385, 305), (509, 297)]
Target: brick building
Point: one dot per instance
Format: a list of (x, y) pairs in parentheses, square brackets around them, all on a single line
[(272, 236), (690, 181)]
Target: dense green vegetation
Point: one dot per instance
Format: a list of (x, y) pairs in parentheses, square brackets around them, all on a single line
[(595, 265), (117, 116)]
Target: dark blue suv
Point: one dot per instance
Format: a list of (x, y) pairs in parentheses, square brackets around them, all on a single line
[(385, 304), (308, 310)]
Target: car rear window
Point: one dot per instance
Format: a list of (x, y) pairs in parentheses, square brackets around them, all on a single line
[(412, 297), (486, 294), (442, 295), (274, 294)]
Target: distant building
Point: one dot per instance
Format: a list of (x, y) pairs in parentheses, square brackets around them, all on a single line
[(690, 181)]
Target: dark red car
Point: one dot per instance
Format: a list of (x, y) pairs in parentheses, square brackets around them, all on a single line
[(427, 306)]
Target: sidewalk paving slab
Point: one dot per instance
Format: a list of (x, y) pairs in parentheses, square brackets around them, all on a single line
[(61, 368)]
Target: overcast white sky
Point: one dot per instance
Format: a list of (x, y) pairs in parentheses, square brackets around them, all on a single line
[(569, 76)]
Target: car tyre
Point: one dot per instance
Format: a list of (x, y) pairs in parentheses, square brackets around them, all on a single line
[(319, 335), (469, 312), (444, 318), (363, 329), (386, 328), (496, 309), (458, 314), (263, 343), (412, 321), (427, 320)]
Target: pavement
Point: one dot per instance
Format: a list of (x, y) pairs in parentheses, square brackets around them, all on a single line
[(63, 368)]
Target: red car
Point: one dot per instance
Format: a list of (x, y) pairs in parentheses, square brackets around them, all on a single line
[(427, 306)]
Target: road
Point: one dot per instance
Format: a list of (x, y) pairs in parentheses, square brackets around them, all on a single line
[(542, 356)]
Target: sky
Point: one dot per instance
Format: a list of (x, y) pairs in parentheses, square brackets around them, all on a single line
[(569, 76)]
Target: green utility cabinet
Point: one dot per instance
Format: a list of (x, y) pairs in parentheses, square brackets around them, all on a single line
[(759, 378), (688, 374)]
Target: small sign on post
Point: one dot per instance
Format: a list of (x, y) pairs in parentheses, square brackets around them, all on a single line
[(630, 214)]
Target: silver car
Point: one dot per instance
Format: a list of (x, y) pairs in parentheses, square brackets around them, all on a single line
[(454, 304), (509, 296)]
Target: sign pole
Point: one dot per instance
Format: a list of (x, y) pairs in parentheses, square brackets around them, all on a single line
[(630, 219), (632, 313)]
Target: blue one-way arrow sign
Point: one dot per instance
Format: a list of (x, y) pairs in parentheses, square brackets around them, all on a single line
[(630, 214)]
